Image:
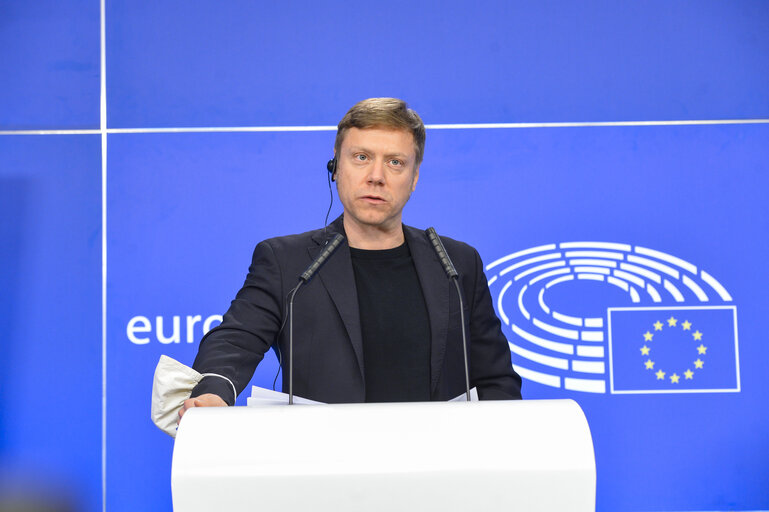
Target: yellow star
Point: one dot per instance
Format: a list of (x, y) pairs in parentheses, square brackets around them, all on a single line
[(672, 321), (660, 375), (648, 336), (702, 349), (658, 326), (698, 363), (687, 325), (689, 374), (697, 335), (649, 364), (645, 350), (674, 378)]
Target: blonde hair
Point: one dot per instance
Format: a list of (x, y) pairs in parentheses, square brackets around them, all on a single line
[(385, 113)]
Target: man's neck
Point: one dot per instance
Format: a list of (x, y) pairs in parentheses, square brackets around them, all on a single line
[(373, 238)]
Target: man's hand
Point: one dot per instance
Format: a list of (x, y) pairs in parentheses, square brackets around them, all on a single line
[(206, 400)]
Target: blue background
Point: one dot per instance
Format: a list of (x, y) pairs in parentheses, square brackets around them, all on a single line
[(184, 210)]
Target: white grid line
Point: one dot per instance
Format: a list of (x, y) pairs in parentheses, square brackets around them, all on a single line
[(326, 128), (50, 132), (214, 129), (582, 124)]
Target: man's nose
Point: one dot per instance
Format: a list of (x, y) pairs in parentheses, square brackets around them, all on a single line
[(377, 172)]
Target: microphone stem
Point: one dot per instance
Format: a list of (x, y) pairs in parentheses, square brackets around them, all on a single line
[(464, 336), (291, 344)]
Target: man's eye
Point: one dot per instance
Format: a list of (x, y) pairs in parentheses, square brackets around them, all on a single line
[(362, 158), (396, 162)]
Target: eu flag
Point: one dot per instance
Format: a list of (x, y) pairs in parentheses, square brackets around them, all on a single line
[(673, 349)]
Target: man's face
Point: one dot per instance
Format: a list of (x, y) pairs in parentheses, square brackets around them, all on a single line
[(376, 174)]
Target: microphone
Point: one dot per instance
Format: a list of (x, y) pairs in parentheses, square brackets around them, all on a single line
[(322, 257), (443, 256), (327, 251), (453, 276)]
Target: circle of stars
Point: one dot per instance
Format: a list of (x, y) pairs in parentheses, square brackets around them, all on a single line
[(686, 325)]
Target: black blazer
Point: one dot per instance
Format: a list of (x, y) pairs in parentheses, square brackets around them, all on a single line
[(328, 347)]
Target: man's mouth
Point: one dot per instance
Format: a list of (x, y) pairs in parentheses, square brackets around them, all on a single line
[(373, 199)]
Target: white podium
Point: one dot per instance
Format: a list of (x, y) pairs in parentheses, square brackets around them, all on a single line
[(531, 455)]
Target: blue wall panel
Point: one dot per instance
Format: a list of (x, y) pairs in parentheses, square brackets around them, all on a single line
[(186, 209), (244, 63), (49, 65), (50, 277)]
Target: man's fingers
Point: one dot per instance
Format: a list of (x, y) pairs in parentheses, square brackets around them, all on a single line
[(207, 400), (186, 405)]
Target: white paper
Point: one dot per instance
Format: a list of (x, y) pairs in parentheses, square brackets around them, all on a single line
[(266, 397), (463, 396)]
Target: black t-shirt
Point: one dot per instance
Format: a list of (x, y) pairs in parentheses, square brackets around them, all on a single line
[(394, 324)]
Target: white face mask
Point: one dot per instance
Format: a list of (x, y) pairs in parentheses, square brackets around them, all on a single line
[(171, 386)]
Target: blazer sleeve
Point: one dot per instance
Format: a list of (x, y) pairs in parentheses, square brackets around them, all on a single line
[(491, 370), (248, 329)]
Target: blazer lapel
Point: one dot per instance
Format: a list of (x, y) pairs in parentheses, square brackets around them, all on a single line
[(435, 288), (338, 278)]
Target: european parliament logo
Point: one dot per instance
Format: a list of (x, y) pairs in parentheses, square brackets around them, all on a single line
[(608, 317)]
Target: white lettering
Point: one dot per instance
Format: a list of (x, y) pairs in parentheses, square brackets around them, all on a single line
[(133, 328), (175, 336), (142, 324), (211, 319), (191, 321)]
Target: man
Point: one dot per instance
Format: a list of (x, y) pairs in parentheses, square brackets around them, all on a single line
[(380, 321)]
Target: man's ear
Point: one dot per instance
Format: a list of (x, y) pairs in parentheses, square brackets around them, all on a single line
[(416, 178)]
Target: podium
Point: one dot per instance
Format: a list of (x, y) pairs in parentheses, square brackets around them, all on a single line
[(534, 455)]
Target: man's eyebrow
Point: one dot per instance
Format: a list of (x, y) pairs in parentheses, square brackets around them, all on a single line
[(366, 150)]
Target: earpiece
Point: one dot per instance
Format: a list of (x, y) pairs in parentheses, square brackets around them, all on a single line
[(331, 166)]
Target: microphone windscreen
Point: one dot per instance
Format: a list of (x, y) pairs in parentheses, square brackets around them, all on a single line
[(443, 256), (322, 257)]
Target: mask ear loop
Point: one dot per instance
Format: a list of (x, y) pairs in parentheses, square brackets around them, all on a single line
[(325, 225)]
